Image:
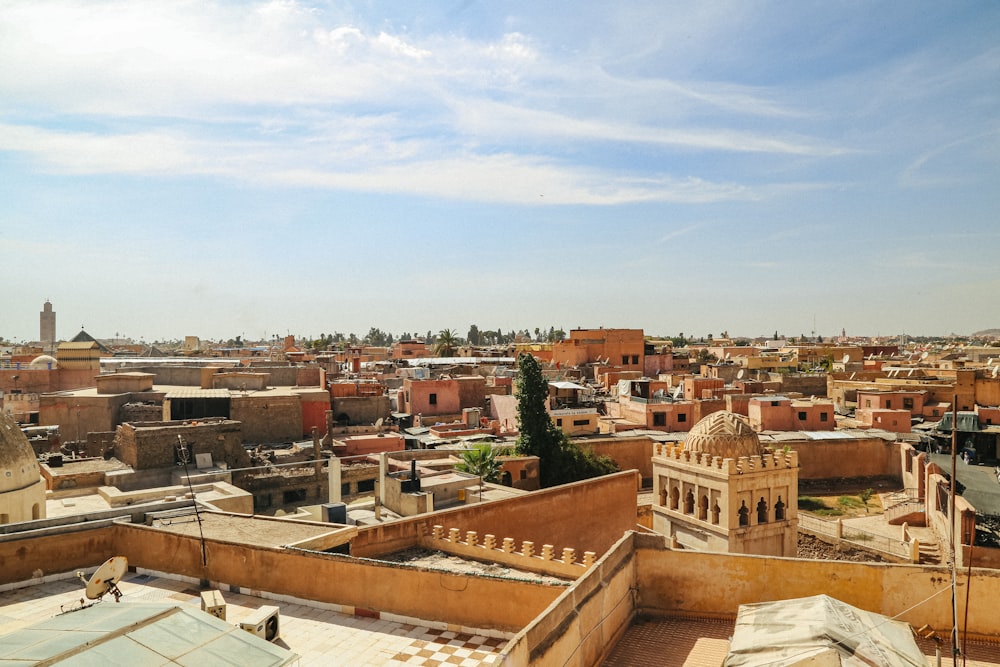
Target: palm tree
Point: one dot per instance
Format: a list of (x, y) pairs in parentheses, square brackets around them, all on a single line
[(447, 343), (482, 460)]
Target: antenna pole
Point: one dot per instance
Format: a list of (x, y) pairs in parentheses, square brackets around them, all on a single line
[(182, 451), (951, 532)]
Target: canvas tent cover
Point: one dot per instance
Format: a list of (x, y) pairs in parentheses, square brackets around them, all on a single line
[(819, 630)]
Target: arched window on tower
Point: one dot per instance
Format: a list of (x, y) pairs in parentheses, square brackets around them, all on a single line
[(675, 498), (689, 503), (703, 508), (779, 510), (762, 511), (663, 494), (716, 511), (744, 513)]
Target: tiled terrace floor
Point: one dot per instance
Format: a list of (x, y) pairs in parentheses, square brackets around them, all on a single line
[(318, 636)]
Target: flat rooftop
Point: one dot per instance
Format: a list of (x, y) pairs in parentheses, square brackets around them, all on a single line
[(318, 635), (694, 642)]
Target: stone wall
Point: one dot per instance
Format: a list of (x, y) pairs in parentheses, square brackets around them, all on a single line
[(361, 409), (268, 418), (153, 445)]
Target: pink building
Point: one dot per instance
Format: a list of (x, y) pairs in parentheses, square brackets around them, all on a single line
[(778, 413), (701, 387), (444, 397)]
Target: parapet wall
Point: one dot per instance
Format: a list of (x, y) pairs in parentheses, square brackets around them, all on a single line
[(745, 465), (585, 516), (523, 556)]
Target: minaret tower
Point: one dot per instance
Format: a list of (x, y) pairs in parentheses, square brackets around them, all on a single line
[(47, 326)]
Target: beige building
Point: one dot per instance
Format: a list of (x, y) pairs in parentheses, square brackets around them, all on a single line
[(722, 491), (22, 489)]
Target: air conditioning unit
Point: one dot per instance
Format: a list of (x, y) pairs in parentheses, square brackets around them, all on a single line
[(213, 603), (263, 623)]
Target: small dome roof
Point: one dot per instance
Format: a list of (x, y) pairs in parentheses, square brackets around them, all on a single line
[(18, 465), (724, 434), (43, 362)]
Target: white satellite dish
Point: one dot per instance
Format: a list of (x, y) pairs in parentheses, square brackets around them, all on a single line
[(924, 355), (845, 359), (105, 579), (739, 374), (996, 370), (379, 422), (989, 362)]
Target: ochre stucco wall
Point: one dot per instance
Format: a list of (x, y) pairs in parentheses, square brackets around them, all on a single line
[(586, 516)]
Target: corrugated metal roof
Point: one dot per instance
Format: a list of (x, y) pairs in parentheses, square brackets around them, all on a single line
[(195, 392)]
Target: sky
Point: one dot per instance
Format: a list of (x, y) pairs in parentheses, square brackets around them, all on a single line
[(254, 169)]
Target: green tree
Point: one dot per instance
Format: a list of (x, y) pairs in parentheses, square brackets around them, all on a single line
[(446, 343), (482, 460), (474, 336), (560, 460)]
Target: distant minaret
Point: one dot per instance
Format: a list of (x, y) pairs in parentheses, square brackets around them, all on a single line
[(47, 326)]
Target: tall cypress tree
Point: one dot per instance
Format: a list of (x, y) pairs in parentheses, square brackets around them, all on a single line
[(560, 461)]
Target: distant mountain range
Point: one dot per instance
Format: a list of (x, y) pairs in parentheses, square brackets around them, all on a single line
[(987, 332)]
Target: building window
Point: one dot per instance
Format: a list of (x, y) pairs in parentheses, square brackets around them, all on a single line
[(824, 416), (659, 419), (908, 403), (703, 508), (744, 513), (524, 474), (716, 510), (802, 416), (675, 496), (779, 510), (762, 511), (681, 418), (559, 421), (635, 359), (432, 399), (689, 503), (581, 422), (868, 402), (624, 360), (888, 404)]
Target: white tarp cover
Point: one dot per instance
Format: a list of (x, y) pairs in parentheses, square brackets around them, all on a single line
[(819, 630)]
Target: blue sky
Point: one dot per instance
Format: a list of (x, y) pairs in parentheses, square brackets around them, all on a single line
[(222, 169)]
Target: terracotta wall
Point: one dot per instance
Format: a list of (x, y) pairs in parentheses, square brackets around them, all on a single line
[(586, 516), (687, 582), (863, 457), (630, 453), (432, 595), (25, 559)]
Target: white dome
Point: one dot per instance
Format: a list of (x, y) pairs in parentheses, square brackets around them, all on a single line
[(43, 362), (18, 465)]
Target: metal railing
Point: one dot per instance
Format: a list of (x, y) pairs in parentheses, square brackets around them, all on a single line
[(896, 548)]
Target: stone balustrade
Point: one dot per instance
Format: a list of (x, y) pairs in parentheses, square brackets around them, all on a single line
[(525, 557)]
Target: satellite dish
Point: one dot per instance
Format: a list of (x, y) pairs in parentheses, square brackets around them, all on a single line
[(996, 369), (739, 374), (924, 356), (379, 422), (846, 358), (105, 579), (989, 362)]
